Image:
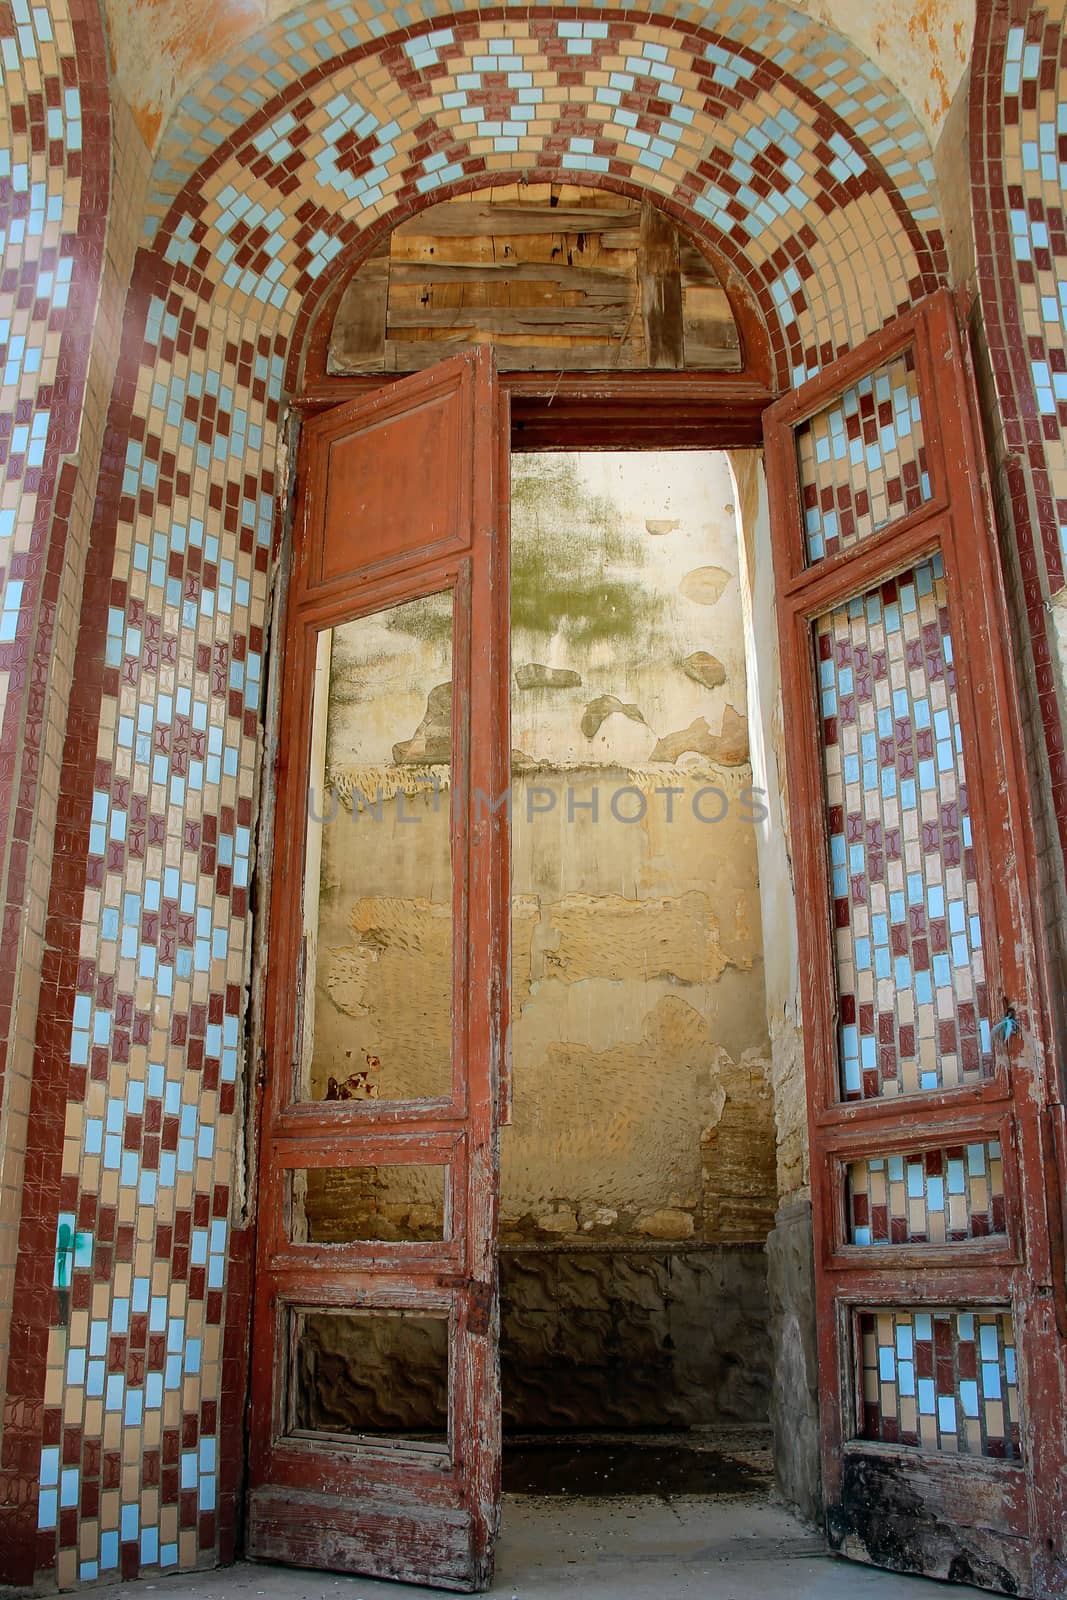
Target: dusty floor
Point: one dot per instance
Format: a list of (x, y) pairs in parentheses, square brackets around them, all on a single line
[(684, 1548)]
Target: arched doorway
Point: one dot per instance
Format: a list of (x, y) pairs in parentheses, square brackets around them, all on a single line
[(919, 1115)]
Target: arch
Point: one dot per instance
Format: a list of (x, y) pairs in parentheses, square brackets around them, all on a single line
[(307, 352), (784, 149)]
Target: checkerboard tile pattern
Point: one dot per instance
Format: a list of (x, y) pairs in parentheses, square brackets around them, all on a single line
[(45, 304), (939, 1197), (137, 1376), (862, 460), (1035, 148), (54, 192), (940, 1381), (823, 62), (912, 998)]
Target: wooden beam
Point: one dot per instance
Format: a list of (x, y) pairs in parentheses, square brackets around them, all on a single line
[(603, 355), (550, 319), (586, 280)]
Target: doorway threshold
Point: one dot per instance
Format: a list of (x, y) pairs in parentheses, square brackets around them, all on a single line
[(693, 1461)]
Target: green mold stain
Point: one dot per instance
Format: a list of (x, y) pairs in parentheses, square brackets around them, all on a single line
[(567, 548), (565, 543)]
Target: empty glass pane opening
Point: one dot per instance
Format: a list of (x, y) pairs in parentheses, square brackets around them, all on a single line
[(378, 868), (342, 1205), (378, 1374)]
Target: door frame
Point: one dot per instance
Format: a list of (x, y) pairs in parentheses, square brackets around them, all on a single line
[(687, 411)]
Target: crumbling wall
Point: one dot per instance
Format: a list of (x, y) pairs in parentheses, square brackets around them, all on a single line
[(643, 1138)]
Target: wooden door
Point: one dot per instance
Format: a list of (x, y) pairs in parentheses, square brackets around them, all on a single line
[(375, 1389), (930, 1083)]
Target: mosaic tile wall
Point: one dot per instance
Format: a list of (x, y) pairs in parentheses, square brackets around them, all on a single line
[(809, 172), (941, 1380), (137, 1381), (54, 192), (1018, 151), (781, 142), (911, 988), (46, 295), (862, 461), (939, 1197)]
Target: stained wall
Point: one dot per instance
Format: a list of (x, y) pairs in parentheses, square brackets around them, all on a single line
[(642, 1096)]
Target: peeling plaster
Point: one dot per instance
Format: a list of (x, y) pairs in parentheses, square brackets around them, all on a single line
[(160, 48)]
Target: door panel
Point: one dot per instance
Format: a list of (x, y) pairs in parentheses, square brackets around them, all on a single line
[(375, 1403), (923, 1008)]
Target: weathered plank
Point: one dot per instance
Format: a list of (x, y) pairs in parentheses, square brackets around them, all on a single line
[(358, 336), (557, 319), (557, 277), (602, 356), (697, 270), (709, 332), (465, 217), (661, 289), (589, 280)]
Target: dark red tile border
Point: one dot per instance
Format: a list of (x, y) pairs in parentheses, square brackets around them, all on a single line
[(25, 1419)]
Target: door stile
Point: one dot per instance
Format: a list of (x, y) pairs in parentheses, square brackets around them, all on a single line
[(485, 964)]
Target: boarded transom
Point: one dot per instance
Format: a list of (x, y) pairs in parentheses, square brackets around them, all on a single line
[(555, 277)]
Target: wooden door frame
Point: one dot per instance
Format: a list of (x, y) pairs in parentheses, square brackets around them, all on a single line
[(691, 411), (604, 410)]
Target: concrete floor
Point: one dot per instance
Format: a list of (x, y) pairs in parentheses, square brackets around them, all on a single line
[(743, 1548)]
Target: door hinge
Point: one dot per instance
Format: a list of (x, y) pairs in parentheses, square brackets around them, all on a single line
[(479, 1308), (479, 1303)]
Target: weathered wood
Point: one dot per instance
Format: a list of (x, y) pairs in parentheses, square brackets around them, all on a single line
[(469, 218), (358, 338), (401, 494), (697, 270), (416, 356), (319, 1530), (541, 272), (661, 289), (557, 319), (988, 1522), (584, 280)]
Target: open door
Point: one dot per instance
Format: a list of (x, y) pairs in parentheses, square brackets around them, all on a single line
[(375, 1422), (937, 1256)]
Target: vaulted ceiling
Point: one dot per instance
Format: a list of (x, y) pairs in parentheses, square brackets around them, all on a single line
[(161, 49)]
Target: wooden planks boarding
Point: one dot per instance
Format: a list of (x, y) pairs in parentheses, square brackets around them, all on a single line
[(555, 276)]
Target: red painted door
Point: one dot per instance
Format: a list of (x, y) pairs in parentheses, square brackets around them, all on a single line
[(375, 1393), (931, 1086)]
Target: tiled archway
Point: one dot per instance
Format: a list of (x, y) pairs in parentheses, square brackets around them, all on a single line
[(782, 144)]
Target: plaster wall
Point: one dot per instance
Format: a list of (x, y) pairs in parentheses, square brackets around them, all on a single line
[(777, 891), (643, 1110)]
